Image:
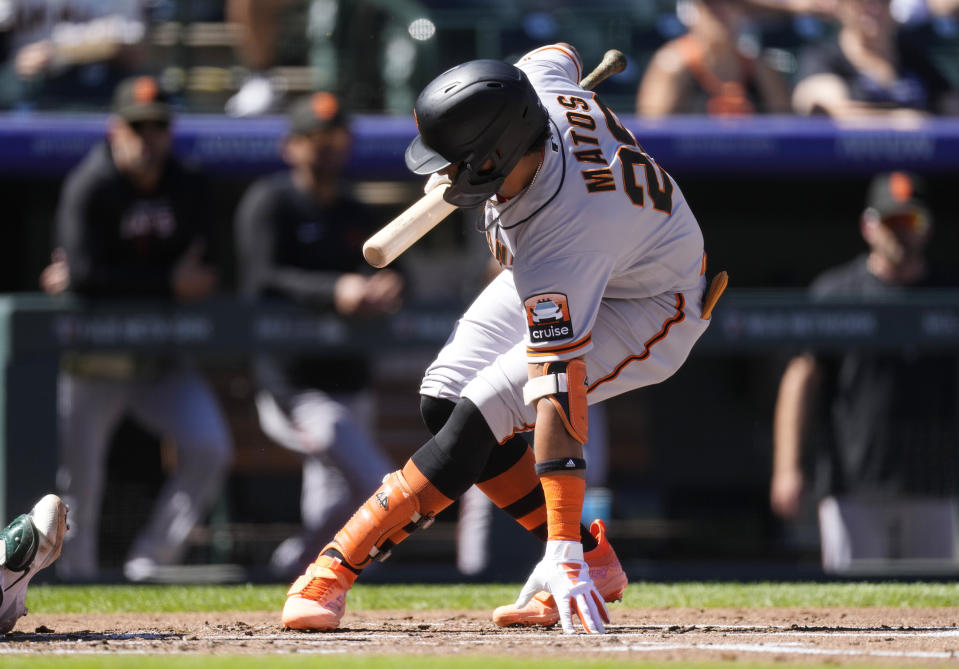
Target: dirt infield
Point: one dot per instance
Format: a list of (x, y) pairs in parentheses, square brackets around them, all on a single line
[(833, 636)]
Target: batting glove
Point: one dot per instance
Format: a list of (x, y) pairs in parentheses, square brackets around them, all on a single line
[(565, 575), (436, 179)]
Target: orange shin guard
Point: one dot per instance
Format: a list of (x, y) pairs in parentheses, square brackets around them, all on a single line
[(564, 505), (431, 502), (386, 518)]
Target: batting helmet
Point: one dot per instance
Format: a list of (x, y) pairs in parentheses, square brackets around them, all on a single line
[(480, 111)]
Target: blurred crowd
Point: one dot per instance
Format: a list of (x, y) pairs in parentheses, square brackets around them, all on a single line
[(718, 57)]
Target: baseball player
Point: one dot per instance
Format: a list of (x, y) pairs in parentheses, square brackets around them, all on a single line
[(603, 293), (31, 542), (299, 237), (881, 425), (131, 224)]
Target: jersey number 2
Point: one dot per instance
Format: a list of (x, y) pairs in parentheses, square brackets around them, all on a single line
[(631, 156)]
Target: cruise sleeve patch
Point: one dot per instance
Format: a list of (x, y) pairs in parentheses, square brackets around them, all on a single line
[(547, 316)]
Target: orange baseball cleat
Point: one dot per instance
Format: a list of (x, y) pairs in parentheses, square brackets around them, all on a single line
[(317, 599)]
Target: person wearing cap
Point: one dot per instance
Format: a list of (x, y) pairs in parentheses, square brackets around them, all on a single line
[(886, 461), (299, 239), (131, 224)]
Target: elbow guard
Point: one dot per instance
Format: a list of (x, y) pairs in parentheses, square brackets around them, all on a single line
[(564, 383)]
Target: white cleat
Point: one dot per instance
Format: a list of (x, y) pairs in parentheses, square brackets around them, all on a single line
[(30, 543)]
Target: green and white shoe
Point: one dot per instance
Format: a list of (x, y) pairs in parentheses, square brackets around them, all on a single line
[(30, 543)]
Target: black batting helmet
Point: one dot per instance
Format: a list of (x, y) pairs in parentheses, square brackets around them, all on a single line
[(482, 110)]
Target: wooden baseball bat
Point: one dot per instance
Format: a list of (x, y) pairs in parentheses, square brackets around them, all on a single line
[(426, 213)]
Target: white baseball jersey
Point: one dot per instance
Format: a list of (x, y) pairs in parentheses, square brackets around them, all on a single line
[(604, 257)]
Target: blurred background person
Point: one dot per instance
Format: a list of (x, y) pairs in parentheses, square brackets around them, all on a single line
[(131, 224), (68, 53), (917, 11), (299, 238), (888, 459), (870, 69), (370, 53), (824, 7), (709, 70), (266, 37)]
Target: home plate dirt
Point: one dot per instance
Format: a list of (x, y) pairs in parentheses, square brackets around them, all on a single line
[(816, 636)]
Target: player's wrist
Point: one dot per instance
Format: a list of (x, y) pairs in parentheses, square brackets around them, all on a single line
[(563, 550)]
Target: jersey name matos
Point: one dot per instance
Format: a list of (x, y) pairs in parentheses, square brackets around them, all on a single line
[(601, 219)]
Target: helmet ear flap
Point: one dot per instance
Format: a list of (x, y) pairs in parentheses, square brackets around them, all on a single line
[(467, 191)]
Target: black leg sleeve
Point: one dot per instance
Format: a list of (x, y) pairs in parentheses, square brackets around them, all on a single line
[(454, 459), (435, 412)]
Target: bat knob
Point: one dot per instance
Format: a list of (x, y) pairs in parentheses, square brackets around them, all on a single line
[(375, 256)]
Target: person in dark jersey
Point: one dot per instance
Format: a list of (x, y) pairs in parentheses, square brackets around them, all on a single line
[(887, 463), (299, 239), (131, 224)]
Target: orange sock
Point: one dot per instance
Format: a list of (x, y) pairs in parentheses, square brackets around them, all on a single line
[(517, 491), (564, 505)]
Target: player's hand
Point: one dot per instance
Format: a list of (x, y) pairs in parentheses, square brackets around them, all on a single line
[(34, 59), (436, 179), (192, 279), (785, 491), (55, 278), (376, 295), (384, 292), (348, 294), (565, 575)]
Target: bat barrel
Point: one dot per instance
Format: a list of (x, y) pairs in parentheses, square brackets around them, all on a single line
[(403, 231)]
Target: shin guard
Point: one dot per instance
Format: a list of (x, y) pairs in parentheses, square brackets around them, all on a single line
[(392, 507), (404, 502)]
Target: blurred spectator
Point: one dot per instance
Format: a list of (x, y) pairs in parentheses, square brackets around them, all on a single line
[(368, 52), (67, 53), (917, 11), (887, 462), (821, 7), (300, 238), (869, 69), (707, 71), (131, 224), (263, 31)]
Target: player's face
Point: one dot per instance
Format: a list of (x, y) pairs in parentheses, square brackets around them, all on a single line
[(900, 237), (323, 152), (140, 146)]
